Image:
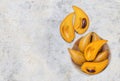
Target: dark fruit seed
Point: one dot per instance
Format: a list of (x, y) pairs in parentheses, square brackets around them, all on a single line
[(91, 38), (91, 71), (84, 23)]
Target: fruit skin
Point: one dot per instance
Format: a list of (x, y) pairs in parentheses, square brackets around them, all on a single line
[(66, 28), (76, 56), (95, 37), (94, 67), (84, 41), (81, 22), (92, 49), (102, 56)]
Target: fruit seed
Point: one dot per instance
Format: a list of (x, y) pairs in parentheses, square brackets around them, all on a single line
[(84, 23)]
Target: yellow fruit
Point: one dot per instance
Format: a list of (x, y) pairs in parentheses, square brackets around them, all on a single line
[(94, 67), (76, 45), (95, 37), (66, 28), (92, 49), (102, 56), (84, 41), (81, 22), (76, 56)]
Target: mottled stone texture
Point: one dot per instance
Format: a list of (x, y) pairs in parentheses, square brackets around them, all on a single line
[(31, 48)]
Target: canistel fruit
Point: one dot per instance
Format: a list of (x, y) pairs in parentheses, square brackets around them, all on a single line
[(102, 56), (66, 28), (94, 67), (77, 56), (92, 49), (81, 22)]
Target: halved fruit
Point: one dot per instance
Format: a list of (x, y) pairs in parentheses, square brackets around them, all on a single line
[(81, 22), (66, 28), (94, 67), (92, 49)]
